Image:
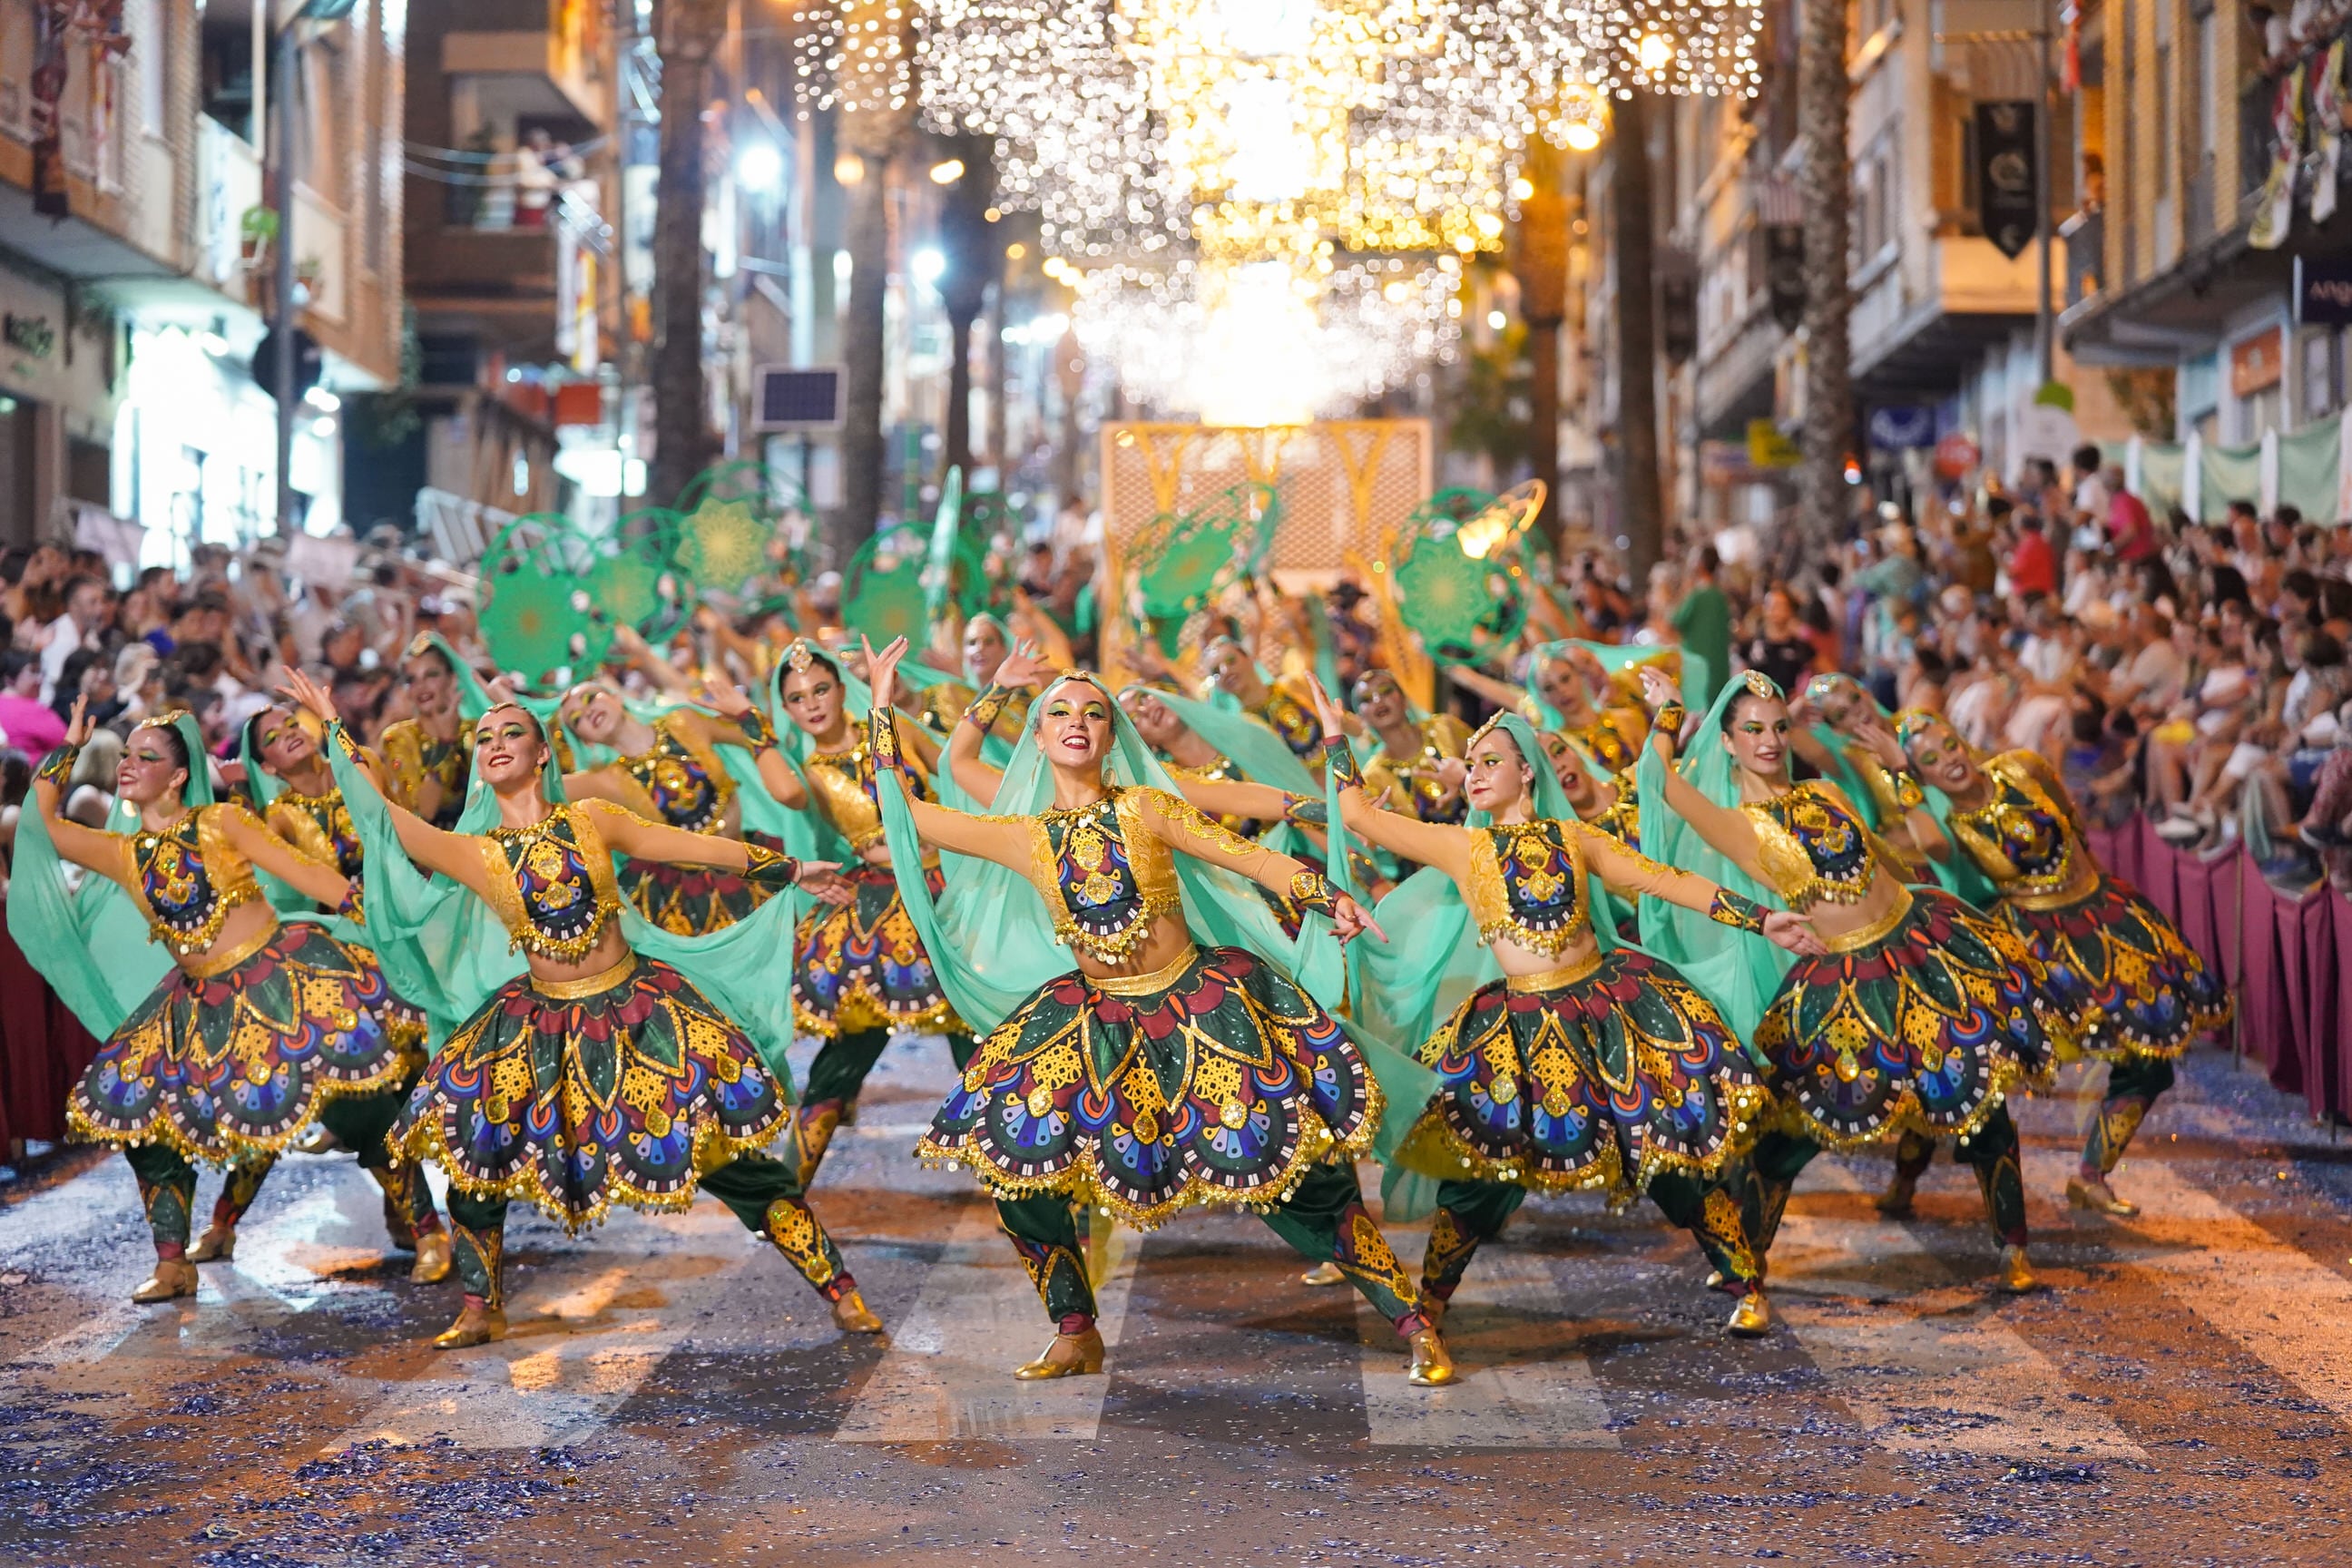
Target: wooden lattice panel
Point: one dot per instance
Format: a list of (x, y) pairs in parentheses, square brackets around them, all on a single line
[(1342, 483)]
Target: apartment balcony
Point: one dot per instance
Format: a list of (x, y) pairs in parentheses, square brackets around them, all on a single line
[(532, 45), (510, 273), (1923, 316)]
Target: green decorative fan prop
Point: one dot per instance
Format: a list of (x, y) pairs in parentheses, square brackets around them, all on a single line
[(1184, 563), (722, 544), (883, 594), (938, 563), (536, 608), (773, 496), (634, 581), (1459, 581)]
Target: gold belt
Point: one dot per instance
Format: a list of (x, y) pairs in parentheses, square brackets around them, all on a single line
[(594, 984), (1876, 930), (2078, 887), (206, 966), (1553, 979), (1160, 979)]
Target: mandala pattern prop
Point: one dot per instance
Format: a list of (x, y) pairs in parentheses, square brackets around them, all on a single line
[(537, 611), (882, 593), (1181, 563), (1459, 581)]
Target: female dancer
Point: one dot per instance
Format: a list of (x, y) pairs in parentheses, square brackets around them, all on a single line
[(859, 970), (668, 770), (1230, 669), (1408, 772), (2133, 991), (1923, 1016), (287, 777), (1158, 1074), (1587, 1064), (1557, 698), (427, 757), (598, 1076), (258, 1029)]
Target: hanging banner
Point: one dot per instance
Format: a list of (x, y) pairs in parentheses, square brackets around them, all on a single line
[(2008, 186), (2274, 206), (2328, 111)]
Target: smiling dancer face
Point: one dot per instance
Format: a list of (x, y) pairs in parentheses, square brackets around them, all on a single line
[(1756, 734), (1500, 781), (1074, 727), (510, 749)]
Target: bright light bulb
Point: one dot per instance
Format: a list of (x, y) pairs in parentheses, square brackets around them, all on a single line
[(929, 265), (848, 168), (947, 171), (1015, 251), (1497, 319), (760, 166), (1522, 188), (1657, 52), (1583, 136)]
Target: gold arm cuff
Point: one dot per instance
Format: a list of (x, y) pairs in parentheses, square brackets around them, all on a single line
[(206, 965), (1160, 979), (1875, 931), (1553, 979), (594, 984)]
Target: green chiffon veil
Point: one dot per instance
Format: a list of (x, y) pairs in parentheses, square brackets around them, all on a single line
[(91, 943), (991, 943), (1242, 739), (1956, 873), (1739, 973)]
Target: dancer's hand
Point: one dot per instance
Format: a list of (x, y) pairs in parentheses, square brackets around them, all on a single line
[(1785, 928), (1335, 724), (882, 669), (823, 880), (310, 696), (1023, 669), (1348, 920), (729, 702), (80, 726), (1877, 737), (1658, 688)]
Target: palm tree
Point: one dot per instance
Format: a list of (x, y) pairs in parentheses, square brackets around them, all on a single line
[(974, 261), (1636, 236), (874, 130), (1826, 181), (1540, 262), (691, 33)]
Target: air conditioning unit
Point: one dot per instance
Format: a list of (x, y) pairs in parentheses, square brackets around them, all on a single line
[(797, 397)]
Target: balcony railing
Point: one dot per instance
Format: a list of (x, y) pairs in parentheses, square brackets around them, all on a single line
[(2196, 211), (2085, 235)]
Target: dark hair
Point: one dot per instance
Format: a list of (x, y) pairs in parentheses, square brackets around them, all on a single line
[(14, 662), (1999, 506), (2334, 599), (2086, 457), (2288, 516), (77, 583), (2243, 508), (2302, 584), (15, 776), (12, 562), (172, 742), (1745, 693), (1710, 561)]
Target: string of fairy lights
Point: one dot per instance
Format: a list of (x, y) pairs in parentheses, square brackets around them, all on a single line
[(1215, 174)]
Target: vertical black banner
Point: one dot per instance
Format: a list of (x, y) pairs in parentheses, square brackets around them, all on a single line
[(2009, 186), (1784, 272)]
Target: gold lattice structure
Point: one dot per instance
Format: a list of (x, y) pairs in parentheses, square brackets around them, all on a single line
[(1348, 487)]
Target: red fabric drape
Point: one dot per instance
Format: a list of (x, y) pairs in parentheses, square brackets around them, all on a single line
[(43, 1049)]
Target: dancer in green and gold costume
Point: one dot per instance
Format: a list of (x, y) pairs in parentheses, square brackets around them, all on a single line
[(2135, 994), (1923, 1016), (427, 757), (1158, 1073), (598, 1075), (1583, 1064), (256, 1028)]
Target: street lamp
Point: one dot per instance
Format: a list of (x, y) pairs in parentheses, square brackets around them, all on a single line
[(286, 54)]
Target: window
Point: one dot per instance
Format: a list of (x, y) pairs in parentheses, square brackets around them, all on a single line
[(225, 77), (2321, 386)]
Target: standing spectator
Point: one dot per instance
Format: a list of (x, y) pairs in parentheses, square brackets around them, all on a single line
[(2091, 495), (25, 722), (1703, 620), (82, 626), (1780, 649), (2032, 565), (2131, 532)]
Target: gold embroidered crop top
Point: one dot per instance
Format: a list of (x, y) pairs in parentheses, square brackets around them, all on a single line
[(682, 781), (1529, 885), (319, 826), (1813, 847), (1412, 786), (552, 883), (1106, 876), (2023, 836), (841, 786), (188, 876), (1296, 722), (411, 756)]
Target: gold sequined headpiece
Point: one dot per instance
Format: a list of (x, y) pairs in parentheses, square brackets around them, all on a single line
[(169, 718), (799, 655), (1761, 685)]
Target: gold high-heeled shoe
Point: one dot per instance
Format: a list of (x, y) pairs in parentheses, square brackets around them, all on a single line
[(1079, 1356), (173, 1277), (218, 1244), (1324, 1273), (432, 1259), (1431, 1367), (851, 1315), (2093, 1193), (475, 1326), (2017, 1276), (1751, 1316)]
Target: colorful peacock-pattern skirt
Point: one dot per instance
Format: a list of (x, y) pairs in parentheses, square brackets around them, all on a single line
[(687, 901), (233, 1065), (1920, 1027), (1602, 1074), (623, 1088), (2127, 983), (861, 966), (1215, 1081)]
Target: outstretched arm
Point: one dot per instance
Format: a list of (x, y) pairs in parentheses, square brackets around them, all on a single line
[(1437, 844), (1501, 693), (447, 854), (741, 724), (1003, 839), (1182, 828), (1627, 870), (632, 836), (92, 849), (1725, 831), (1019, 670), (311, 877)]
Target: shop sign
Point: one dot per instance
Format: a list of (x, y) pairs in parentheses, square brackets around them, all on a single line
[(2323, 292), (1768, 447), (2009, 187), (1899, 429), (2256, 363)]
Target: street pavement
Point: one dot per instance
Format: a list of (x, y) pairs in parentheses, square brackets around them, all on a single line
[(671, 1393)]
